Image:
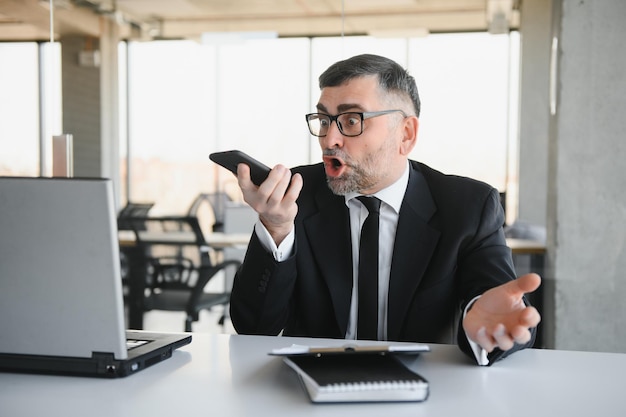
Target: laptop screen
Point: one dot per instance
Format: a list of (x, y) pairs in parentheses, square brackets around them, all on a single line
[(60, 284)]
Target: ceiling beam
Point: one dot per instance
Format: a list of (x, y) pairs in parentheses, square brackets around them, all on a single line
[(325, 25), (33, 16), (29, 19)]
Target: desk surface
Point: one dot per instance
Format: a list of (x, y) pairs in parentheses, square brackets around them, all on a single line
[(222, 375)]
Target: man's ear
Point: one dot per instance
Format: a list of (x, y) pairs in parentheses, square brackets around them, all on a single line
[(409, 138)]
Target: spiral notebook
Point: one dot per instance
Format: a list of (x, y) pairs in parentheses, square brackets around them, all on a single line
[(357, 374)]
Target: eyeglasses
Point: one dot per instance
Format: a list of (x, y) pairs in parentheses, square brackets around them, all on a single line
[(349, 123)]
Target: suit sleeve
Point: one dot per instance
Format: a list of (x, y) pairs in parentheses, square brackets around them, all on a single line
[(261, 291), (485, 262)]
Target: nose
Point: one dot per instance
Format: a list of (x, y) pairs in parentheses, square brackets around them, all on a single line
[(333, 138)]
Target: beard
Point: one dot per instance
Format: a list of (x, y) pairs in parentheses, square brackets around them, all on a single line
[(358, 179), (361, 175)]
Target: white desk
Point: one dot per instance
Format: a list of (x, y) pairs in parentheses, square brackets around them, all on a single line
[(221, 375)]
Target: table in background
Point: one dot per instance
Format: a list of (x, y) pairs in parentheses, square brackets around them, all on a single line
[(530, 256), (136, 258), (216, 240), (526, 246), (222, 375), (137, 267)]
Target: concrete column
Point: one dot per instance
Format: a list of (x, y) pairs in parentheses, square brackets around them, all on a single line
[(586, 216), (90, 101), (81, 104), (535, 24)]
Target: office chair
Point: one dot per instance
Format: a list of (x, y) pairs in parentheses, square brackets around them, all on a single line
[(217, 201), (130, 211), (124, 222), (179, 267)]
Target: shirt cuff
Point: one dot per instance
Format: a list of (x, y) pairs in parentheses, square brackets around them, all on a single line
[(279, 252), (479, 353)]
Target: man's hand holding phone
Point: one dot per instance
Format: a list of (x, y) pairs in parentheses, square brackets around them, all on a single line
[(274, 198)]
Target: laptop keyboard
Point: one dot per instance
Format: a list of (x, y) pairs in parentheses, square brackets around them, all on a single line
[(133, 343)]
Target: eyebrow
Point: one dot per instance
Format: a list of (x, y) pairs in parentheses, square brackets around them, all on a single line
[(342, 108)]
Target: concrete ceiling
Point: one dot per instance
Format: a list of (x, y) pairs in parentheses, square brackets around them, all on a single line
[(22, 20)]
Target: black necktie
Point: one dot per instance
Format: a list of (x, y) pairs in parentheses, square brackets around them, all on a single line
[(368, 272)]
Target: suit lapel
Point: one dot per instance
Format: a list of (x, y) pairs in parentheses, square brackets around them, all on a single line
[(328, 233), (414, 245)]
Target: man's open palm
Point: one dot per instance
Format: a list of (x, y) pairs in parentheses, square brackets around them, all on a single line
[(499, 318)]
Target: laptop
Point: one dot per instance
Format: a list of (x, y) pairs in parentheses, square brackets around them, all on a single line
[(61, 301)]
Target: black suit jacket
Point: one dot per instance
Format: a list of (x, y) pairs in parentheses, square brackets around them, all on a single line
[(449, 248)]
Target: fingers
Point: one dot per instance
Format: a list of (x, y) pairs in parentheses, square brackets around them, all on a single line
[(295, 187), (498, 338), (529, 317), (528, 283), (501, 338), (243, 177), (484, 340), (274, 200), (286, 188), (278, 187), (504, 338), (502, 324), (521, 335)]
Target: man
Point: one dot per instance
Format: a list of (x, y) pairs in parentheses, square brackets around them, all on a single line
[(443, 271)]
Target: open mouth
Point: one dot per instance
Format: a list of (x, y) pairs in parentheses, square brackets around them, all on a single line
[(334, 166)]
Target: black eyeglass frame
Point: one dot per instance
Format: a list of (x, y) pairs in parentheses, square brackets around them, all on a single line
[(335, 118)]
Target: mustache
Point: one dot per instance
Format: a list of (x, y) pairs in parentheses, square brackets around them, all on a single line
[(338, 153)]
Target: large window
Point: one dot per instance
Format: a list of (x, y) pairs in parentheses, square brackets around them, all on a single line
[(30, 107), (188, 100), (464, 84), (19, 109)]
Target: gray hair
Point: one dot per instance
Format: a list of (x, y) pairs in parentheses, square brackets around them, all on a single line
[(392, 78)]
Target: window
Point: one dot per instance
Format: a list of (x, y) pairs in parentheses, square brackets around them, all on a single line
[(188, 100), (19, 109), (30, 84), (464, 84)]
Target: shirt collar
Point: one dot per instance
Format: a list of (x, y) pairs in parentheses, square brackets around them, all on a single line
[(392, 195)]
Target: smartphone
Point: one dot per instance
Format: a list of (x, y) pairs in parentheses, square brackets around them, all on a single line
[(230, 160)]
